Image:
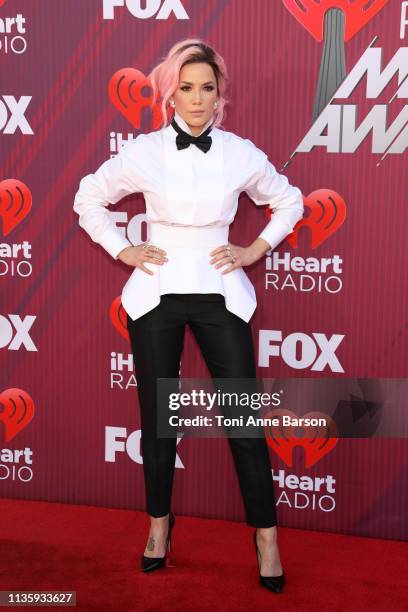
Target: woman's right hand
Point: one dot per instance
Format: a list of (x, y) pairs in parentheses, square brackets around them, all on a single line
[(138, 255)]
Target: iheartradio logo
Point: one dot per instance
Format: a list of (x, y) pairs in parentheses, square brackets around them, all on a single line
[(16, 411), (316, 441), (118, 317), (2, 2), (334, 22), (327, 213), (311, 13), (15, 203), (130, 91)]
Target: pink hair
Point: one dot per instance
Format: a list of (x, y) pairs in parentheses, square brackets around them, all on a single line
[(165, 76)]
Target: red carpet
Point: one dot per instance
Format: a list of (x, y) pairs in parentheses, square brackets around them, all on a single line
[(95, 552)]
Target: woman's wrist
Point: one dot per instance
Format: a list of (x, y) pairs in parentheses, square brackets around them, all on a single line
[(258, 248), (122, 251)]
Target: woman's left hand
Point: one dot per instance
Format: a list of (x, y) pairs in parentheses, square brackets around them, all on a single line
[(233, 255)]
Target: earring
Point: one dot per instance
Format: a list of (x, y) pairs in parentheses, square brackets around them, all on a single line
[(215, 104), (172, 103)]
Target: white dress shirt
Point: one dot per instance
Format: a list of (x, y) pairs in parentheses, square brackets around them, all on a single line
[(191, 199)]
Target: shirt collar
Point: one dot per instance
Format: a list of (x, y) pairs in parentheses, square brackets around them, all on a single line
[(186, 128)]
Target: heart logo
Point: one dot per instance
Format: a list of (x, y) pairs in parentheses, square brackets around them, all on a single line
[(327, 212), (2, 2), (131, 91), (118, 317), (17, 410), (315, 441), (15, 203), (310, 14)]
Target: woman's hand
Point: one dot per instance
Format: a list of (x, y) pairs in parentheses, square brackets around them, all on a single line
[(138, 255), (237, 256)]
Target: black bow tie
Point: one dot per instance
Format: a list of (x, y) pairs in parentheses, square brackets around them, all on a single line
[(183, 139)]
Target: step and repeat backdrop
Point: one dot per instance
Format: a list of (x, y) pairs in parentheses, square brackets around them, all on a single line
[(321, 87)]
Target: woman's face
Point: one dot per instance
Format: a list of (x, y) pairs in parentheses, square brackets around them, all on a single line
[(196, 91)]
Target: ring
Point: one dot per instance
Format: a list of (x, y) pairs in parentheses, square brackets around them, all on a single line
[(230, 255), (146, 245)]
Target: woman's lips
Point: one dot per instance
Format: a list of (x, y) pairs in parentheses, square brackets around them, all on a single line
[(197, 112)]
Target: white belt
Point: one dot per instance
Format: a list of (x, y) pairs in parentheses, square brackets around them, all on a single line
[(187, 236)]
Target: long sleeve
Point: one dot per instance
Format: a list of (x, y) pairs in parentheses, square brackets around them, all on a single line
[(267, 186), (111, 182)]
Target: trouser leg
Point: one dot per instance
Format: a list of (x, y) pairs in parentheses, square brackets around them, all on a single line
[(157, 343), (226, 344)]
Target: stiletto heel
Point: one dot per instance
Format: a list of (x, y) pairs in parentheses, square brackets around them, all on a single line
[(149, 564), (273, 583)]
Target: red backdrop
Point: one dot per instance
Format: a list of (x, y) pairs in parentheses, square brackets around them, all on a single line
[(67, 387)]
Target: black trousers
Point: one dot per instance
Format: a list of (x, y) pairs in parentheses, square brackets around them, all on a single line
[(225, 341)]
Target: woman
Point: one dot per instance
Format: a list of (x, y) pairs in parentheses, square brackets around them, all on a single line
[(192, 173)]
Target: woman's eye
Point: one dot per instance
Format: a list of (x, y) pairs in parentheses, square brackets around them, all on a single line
[(187, 88)]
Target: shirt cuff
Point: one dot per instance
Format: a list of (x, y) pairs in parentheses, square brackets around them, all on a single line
[(113, 242), (275, 232)]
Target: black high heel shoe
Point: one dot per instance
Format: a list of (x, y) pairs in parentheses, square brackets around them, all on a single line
[(273, 583), (149, 564)]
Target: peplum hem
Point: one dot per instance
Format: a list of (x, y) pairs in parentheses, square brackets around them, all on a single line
[(188, 271)]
